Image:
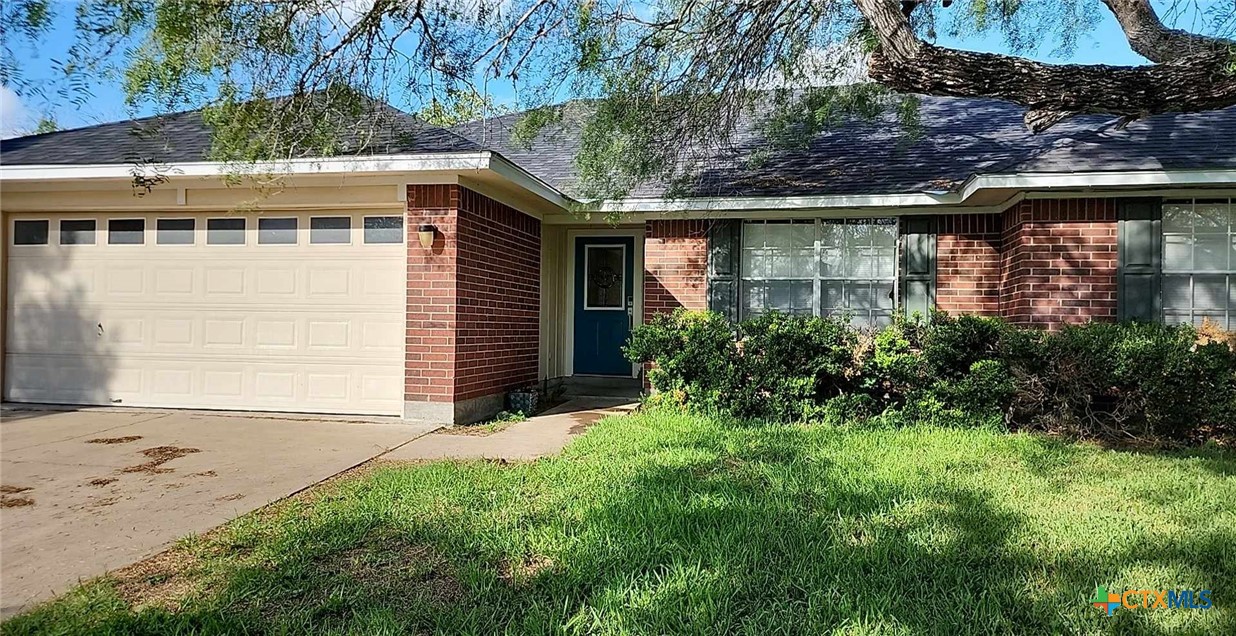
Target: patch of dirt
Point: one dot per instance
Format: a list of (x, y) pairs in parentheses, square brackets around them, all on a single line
[(524, 570), (15, 502), (159, 455), (12, 490), (114, 440), (208, 473), (472, 430), (231, 497), (175, 486), (102, 481), (160, 581)]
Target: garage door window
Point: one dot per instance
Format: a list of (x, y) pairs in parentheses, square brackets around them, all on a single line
[(126, 232), (174, 231), (225, 231), (384, 229), (77, 232), (277, 231), (30, 232), (330, 230)]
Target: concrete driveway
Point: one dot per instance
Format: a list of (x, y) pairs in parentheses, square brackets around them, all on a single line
[(91, 490)]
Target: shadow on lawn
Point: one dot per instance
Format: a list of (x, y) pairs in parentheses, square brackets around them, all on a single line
[(766, 539)]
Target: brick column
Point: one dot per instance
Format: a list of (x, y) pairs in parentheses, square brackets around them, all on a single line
[(473, 305), (675, 266), (968, 264), (1059, 262)]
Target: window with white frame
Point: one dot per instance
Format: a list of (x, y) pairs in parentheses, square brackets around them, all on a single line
[(821, 267), (1199, 261)]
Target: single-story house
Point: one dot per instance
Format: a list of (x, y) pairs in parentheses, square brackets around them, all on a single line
[(434, 270)]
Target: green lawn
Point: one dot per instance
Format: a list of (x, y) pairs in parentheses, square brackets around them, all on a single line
[(665, 523)]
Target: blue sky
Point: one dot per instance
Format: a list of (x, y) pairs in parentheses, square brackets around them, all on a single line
[(18, 113)]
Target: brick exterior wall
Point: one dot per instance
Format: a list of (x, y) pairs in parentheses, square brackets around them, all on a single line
[(968, 264), (473, 300), (1059, 262), (675, 266), (498, 296)]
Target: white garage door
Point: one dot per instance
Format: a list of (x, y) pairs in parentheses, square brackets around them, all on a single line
[(282, 312)]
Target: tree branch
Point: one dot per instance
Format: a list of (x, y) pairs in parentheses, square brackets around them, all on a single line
[(1153, 41), (1194, 77)]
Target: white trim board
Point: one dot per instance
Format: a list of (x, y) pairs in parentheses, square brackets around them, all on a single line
[(452, 164)]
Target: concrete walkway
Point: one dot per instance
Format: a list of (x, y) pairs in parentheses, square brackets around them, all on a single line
[(545, 434)]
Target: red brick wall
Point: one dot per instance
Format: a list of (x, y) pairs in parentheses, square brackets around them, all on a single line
[(429, 351), (675, 266), (473, 308), (968, 264), (499, 297), (1059, 262)]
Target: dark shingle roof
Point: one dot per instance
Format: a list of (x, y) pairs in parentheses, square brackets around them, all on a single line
[(960, 138), (184, 137)]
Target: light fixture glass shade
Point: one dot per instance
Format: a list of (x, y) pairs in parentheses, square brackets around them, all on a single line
[(425, 234)]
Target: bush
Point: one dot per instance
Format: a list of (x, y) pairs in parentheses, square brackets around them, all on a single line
[(694, 356), (791, 364), (1114, 381)]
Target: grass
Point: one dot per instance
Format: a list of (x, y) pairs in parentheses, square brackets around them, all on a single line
[(666, 523)]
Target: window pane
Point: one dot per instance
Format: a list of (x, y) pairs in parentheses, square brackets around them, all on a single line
[(225, 231), (1178, 217), (77, 232), (277, 231), (1177, 292), (604, 287), (126, 231), (1211, 216), (882, 295), (30, 232), (1210, 253), (1177, 253), (174, 231), (1209, 293), (330, 230), (384, 229)]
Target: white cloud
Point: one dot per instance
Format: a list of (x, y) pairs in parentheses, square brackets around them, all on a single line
[(15, 119)]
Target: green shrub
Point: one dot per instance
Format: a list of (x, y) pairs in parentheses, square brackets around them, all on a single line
[(694, 354), (790, 364), (1119, 381), (1114, 381), (951, 346)]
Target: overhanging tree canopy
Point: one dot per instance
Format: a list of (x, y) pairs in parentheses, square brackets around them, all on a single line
[(667, 80)]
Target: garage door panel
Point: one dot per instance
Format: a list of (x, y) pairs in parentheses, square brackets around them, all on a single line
[(307, 328)]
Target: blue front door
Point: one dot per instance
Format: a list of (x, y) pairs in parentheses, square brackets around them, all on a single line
[(604, 303)]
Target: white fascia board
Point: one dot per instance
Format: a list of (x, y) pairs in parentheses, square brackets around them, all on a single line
[(740, 204), (443, 162), (918, 201), (1074, 180), (526, 180)]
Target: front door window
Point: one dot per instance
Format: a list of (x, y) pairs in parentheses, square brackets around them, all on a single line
[(604, 287)]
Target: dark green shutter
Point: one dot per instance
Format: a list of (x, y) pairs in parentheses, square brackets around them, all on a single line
[(1138, 253), (724, 249), (918, 266)]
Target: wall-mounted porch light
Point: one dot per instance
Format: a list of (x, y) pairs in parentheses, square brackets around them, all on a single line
[(425, 234)]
